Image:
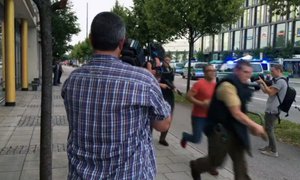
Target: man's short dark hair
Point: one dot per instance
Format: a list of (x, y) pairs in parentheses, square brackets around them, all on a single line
[(107, 30), (239, 64), (278, 67), (206, 66)]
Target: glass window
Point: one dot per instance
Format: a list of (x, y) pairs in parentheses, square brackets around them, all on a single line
[(252, 16), (258, 15), (226, 42), (272, 36), (297, 34), (207, 44), (249, 39), (290, 30), (246, 17), (263, 37), (267, 14), (256, 38), (237, 40), (263, 14), (216, 43), (250, 2), (280, 35)]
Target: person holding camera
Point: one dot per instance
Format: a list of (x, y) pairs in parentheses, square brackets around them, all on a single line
[(276, 87), (110, 106), (227, 131), (166, 84)]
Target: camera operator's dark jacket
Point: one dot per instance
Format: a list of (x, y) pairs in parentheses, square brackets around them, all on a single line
[(224, 116), (167, 77)]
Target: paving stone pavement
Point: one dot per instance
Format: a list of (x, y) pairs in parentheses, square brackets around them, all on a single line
[(20, 143)]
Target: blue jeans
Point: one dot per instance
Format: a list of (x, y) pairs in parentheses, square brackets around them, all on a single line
[(198, 125)]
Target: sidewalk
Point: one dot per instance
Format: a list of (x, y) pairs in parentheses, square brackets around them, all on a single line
[(20, 142)]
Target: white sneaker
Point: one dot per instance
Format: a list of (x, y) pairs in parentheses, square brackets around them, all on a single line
[(270, 153)]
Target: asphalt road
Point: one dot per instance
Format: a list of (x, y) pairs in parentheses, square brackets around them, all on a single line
[(259, 99)]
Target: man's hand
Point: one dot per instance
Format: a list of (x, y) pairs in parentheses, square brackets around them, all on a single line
[(259, 130), (260, 80), (206, 103), (164, 86)]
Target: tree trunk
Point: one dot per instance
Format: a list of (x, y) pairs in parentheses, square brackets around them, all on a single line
[(45, 12), (191, 52)]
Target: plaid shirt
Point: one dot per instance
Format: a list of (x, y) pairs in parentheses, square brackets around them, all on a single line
[(109, 105)]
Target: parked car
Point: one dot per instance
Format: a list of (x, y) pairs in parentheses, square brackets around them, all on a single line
[(177, 67), (196, 70)]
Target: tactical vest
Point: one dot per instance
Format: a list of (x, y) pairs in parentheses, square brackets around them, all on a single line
[(224, 116)]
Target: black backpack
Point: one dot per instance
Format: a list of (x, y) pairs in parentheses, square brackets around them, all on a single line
[(288, 100)]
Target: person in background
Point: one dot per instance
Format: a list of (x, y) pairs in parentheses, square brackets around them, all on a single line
[(200, 96), (60, 71), (228, 131), (55, 69), (110, 106), (278, 87), (167, 88)]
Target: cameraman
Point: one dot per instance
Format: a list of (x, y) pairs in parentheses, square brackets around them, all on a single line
[(110, 106), (278, 87), (167, 88)]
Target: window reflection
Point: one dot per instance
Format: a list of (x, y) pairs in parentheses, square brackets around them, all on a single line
[(280, 35)]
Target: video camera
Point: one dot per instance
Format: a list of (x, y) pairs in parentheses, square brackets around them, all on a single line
[(133, 53)]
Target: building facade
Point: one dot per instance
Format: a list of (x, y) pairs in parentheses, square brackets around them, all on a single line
[(257, 29), (19, 47)]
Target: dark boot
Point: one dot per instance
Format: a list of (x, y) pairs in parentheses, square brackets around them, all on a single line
[(195, 174), (162, 139)]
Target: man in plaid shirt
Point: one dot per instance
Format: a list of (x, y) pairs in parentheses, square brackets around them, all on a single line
[(110, 106)]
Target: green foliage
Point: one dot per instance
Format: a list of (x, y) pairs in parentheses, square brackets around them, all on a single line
[(191, 18), (64, 25), (82, 51), (287, 52), (184, 56), (286, 131), (200, 55), (280, 7), (176, 55)]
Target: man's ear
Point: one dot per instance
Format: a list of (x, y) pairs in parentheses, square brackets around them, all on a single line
[(121, 44)]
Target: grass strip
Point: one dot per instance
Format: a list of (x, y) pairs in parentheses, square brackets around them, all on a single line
[(287, 131)]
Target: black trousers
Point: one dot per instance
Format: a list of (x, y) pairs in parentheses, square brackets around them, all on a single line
[(218, 148)]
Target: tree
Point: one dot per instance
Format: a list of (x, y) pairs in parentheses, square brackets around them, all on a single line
[(200, 55), (45, 12), (64, 25), (82, 51), (191, 19), (281, 7)]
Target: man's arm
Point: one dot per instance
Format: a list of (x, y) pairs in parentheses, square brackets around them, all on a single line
[(270, 90), (255, 128), (227, 93), (162, 125), (191, 97)]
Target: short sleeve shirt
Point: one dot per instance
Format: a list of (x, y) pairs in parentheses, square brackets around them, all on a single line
[(272, 101), (227, 93), (204, 91)]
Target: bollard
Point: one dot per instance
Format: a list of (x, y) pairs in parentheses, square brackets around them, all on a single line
[(34, 85)]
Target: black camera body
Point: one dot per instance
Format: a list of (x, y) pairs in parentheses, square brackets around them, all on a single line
[(133, 53)]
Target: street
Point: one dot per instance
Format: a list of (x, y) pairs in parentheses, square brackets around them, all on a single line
[(259, 99)]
